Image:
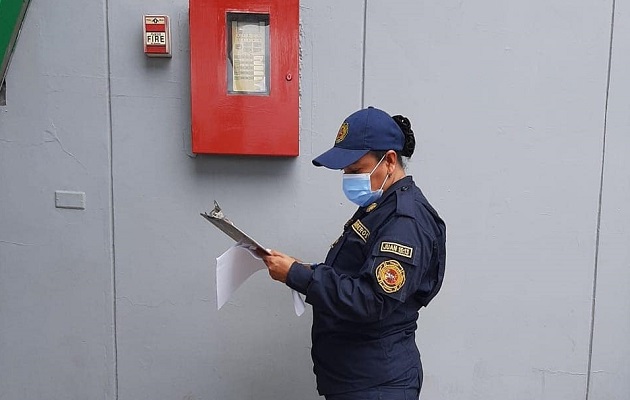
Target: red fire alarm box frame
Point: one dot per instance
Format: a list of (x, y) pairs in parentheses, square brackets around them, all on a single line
[(245, 76)]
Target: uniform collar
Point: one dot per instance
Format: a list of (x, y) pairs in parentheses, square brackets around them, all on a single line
[(401, 184), (407, 181)]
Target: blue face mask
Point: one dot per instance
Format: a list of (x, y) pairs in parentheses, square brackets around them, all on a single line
[(358, 187)]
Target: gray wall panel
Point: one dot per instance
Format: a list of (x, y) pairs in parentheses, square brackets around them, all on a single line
[(508, 100), (56, 329), (172, 342)]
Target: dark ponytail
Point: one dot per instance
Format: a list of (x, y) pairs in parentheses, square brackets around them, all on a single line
[(410, 140)]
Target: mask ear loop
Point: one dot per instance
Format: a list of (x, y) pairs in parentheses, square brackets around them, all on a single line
[(386, 176), (378, 163)]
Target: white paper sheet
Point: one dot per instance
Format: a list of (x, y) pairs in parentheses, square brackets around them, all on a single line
[(234, 267)]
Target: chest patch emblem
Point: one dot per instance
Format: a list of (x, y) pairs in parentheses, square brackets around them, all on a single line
[(361, 230), (395, 248), (390, 275)]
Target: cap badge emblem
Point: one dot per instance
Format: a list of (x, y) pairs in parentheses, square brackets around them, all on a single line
[(343, 132)]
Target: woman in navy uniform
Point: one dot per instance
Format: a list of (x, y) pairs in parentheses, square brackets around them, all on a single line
[(386, 265)]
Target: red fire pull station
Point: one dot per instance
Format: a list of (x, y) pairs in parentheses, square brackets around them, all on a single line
[(157, 36), (244, 76)]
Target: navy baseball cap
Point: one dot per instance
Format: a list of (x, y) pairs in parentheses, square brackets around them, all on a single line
[(365, 130)]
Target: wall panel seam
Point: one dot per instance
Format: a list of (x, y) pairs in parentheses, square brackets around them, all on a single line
[(111, 195), (365, 14), (599, 207)]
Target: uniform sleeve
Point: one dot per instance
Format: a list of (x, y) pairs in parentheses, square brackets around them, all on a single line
[(391, 274)]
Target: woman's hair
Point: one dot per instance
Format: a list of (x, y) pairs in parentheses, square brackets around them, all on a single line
[(410, 140)]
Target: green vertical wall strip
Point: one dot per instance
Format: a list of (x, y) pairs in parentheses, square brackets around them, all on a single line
[(11, 16)]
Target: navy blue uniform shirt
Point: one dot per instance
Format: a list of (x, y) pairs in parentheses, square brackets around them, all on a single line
[(388, 263)]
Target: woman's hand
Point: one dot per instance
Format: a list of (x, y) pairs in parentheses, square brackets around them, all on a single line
[(278, 265)]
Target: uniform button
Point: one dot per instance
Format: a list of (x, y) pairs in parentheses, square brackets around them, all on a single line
[(404, 188)]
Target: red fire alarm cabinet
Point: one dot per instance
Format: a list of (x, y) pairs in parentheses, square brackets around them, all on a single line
[(244, 76)]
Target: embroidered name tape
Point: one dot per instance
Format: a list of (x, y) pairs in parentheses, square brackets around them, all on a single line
[(361, 230), (395, 248)]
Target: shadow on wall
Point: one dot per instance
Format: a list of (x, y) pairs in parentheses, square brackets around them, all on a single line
[(244, 168)]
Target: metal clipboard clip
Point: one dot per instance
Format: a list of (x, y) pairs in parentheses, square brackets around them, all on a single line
[(218, 219)]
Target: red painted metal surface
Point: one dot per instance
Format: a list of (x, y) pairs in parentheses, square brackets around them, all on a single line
[(248, 124)]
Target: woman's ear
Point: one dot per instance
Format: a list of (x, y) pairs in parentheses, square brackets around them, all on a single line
[(391, 158)]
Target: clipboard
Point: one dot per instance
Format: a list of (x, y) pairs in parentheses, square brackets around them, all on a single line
[(218, 219)]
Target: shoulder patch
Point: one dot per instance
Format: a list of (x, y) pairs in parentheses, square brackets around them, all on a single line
[(361, 230), (390, 275), (396, 248)]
